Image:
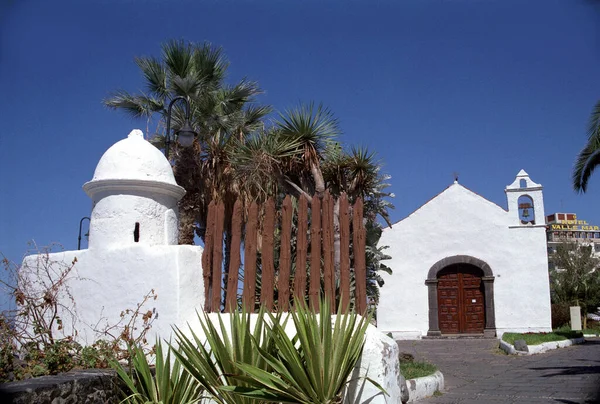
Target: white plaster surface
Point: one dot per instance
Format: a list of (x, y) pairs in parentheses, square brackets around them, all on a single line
[(423, 387), (133, 183), (106, 282), (380, 362), (405, 335), (134, 158), (461, 222)]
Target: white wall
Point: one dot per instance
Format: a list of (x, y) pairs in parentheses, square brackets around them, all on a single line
[(460, 222), (115, 215), (105, 282)]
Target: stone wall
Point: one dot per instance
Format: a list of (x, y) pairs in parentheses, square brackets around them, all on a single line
[(83, 386)]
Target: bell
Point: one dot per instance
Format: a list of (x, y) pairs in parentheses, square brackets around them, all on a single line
[(525, 213)]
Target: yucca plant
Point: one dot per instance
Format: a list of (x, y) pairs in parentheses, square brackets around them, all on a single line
[(168, 385), (213, 360), (312, 367)]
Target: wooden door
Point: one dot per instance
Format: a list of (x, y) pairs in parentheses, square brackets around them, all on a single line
[(460, 301)]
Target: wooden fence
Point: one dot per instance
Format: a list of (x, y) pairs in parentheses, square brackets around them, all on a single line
[(302, 269)]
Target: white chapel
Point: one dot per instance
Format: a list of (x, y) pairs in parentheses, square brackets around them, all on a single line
[(464, 265)]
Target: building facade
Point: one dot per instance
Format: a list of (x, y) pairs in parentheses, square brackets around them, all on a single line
[(567, 227), (464, 265)]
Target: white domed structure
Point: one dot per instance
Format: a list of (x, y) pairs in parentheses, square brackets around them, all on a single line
[(132, 247), (134, 158), (134, 196)]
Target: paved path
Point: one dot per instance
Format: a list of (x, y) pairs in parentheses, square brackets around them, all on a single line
[(476, 371)]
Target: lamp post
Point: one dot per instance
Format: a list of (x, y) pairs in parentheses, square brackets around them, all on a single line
[(185, 134), (87, 234)]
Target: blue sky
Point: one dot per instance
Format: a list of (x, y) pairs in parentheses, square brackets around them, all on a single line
[(482, 88)]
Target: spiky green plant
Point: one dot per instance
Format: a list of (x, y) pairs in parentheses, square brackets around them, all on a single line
[(168, 385), (213, 361), (314, 366)]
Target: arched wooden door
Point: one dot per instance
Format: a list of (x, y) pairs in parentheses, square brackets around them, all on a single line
[(461, 302)]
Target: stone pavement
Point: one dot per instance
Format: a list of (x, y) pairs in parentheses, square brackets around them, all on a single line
[(476, 371)]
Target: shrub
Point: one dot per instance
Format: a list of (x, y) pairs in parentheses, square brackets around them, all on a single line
[(33, 340), (561, 315)]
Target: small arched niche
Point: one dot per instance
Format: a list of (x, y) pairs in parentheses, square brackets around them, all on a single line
[(526, 210)]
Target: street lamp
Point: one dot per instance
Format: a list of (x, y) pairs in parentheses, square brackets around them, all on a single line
[(86, 235), (185, 134)]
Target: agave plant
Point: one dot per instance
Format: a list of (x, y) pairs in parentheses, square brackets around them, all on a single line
[(213, 362), (311, 367), (169, 385)]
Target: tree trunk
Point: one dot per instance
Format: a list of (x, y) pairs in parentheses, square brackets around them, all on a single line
[(186, 222), (226, 262), (183, 169), (336, 238), (318, 178)]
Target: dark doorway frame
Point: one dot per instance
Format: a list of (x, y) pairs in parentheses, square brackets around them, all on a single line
[(488, 283)]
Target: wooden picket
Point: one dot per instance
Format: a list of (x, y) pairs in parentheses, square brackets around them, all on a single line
[(306, 255)]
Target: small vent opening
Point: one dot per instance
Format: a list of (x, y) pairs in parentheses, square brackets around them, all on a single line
[(136, 232)]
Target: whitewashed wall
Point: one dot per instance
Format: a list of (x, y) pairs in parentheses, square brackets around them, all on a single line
[(105, 282), (460, 222)]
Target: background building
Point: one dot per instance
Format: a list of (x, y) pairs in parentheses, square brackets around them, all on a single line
[(566, 227)]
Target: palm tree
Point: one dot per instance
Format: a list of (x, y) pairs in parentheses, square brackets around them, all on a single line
[(236, 155), (589, 157), (314, 129), (219, 113), (358, 174)]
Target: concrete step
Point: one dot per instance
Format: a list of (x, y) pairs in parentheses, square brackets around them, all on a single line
[(459, 336)]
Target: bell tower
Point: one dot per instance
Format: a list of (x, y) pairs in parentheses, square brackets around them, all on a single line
[(525, 201)]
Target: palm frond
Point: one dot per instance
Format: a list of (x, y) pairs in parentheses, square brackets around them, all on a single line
[(587, 161), (210, 64), (315, 127), (155, 75), (187, 86), (135, 105), (589, 157), (178, 57)]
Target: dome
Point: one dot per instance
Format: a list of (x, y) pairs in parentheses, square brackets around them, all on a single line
[(132, 163), (134, 158)]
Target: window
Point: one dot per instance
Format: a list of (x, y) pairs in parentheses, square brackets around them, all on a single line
[(571, 216), (561, 216), (551, 218), (523, 183), (136, 232)]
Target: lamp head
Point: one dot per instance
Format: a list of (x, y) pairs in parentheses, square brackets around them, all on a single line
[(186, 135)]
